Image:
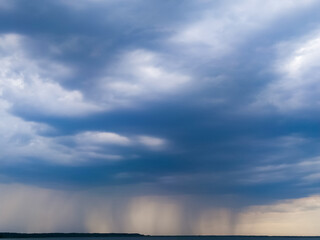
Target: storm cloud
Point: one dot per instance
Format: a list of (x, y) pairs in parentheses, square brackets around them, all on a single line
[(194, 111)]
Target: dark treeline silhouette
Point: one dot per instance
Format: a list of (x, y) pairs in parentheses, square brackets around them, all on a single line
[(56, 235), (172, 237)]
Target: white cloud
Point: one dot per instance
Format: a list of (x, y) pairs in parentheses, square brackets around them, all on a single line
[(139, 75), (102, 138), (21, 140), (25, 84), (83, 4), (304, 171), (95, 141), (152, 142), (219, 29), (297, 70)]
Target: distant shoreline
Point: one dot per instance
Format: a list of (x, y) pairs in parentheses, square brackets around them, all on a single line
[(66, 235)]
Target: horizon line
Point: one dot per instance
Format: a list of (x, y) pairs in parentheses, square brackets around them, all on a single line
[(128, 234)]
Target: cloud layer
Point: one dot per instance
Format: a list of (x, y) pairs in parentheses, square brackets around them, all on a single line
[(155, 107)]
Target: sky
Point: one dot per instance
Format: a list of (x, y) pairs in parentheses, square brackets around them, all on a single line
[(160, 116)]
